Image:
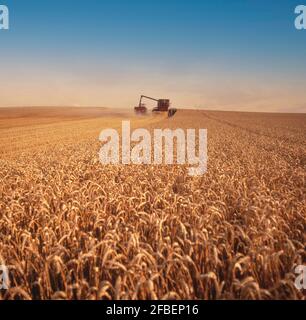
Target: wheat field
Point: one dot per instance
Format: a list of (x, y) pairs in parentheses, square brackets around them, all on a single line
[(71, 228)]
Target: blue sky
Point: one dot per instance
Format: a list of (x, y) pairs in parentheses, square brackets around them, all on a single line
[(216, 54)]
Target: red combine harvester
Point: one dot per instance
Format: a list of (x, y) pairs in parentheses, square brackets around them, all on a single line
[(163, 105)]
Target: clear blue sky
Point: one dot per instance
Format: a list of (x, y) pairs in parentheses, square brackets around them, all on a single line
[(219, 54)]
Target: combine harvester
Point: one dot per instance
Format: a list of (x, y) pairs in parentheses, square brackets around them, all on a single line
[(163, 105)]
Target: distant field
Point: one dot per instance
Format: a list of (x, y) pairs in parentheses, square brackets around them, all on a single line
[(71, 228), (27, 116), (31, 128)]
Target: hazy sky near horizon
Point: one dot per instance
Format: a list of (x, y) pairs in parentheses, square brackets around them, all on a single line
[(215, 54)]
